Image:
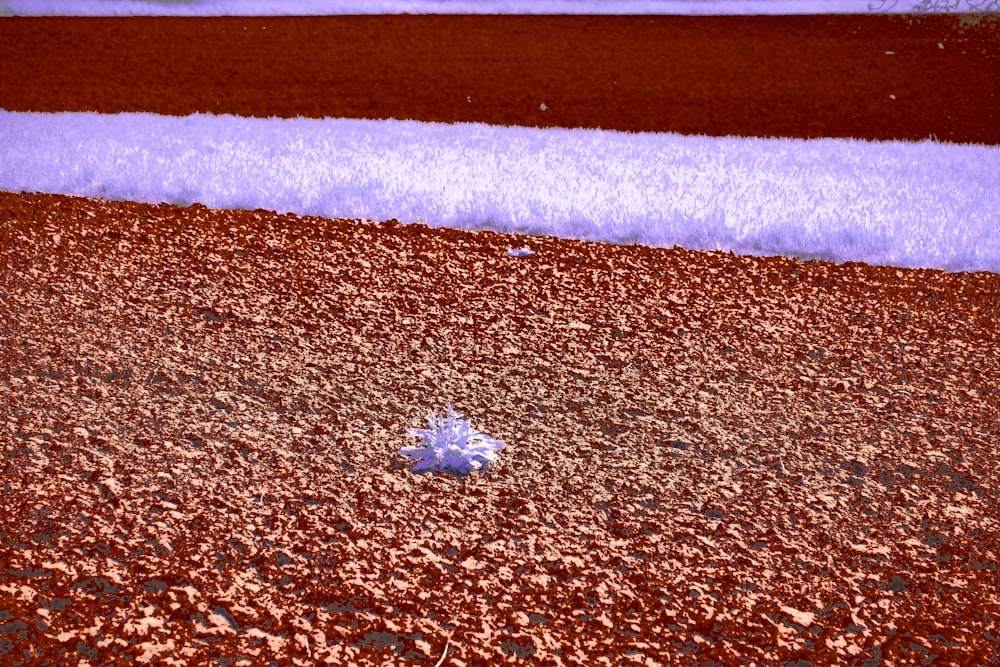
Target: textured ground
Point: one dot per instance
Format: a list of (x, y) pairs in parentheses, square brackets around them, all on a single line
[(864, 76), (711, 459)]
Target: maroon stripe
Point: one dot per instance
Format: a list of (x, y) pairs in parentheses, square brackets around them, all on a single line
[(800, 76)]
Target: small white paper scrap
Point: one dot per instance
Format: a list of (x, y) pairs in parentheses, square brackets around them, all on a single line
[(519, 252)]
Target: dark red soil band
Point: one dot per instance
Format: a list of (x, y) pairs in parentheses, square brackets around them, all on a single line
[(876, 77)]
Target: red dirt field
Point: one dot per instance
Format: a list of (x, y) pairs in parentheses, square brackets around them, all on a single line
[(793, 76), (711, 459)]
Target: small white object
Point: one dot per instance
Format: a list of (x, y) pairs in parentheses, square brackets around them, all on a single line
[(543, 107), (519, 252), (892, 97), (450, 445)]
